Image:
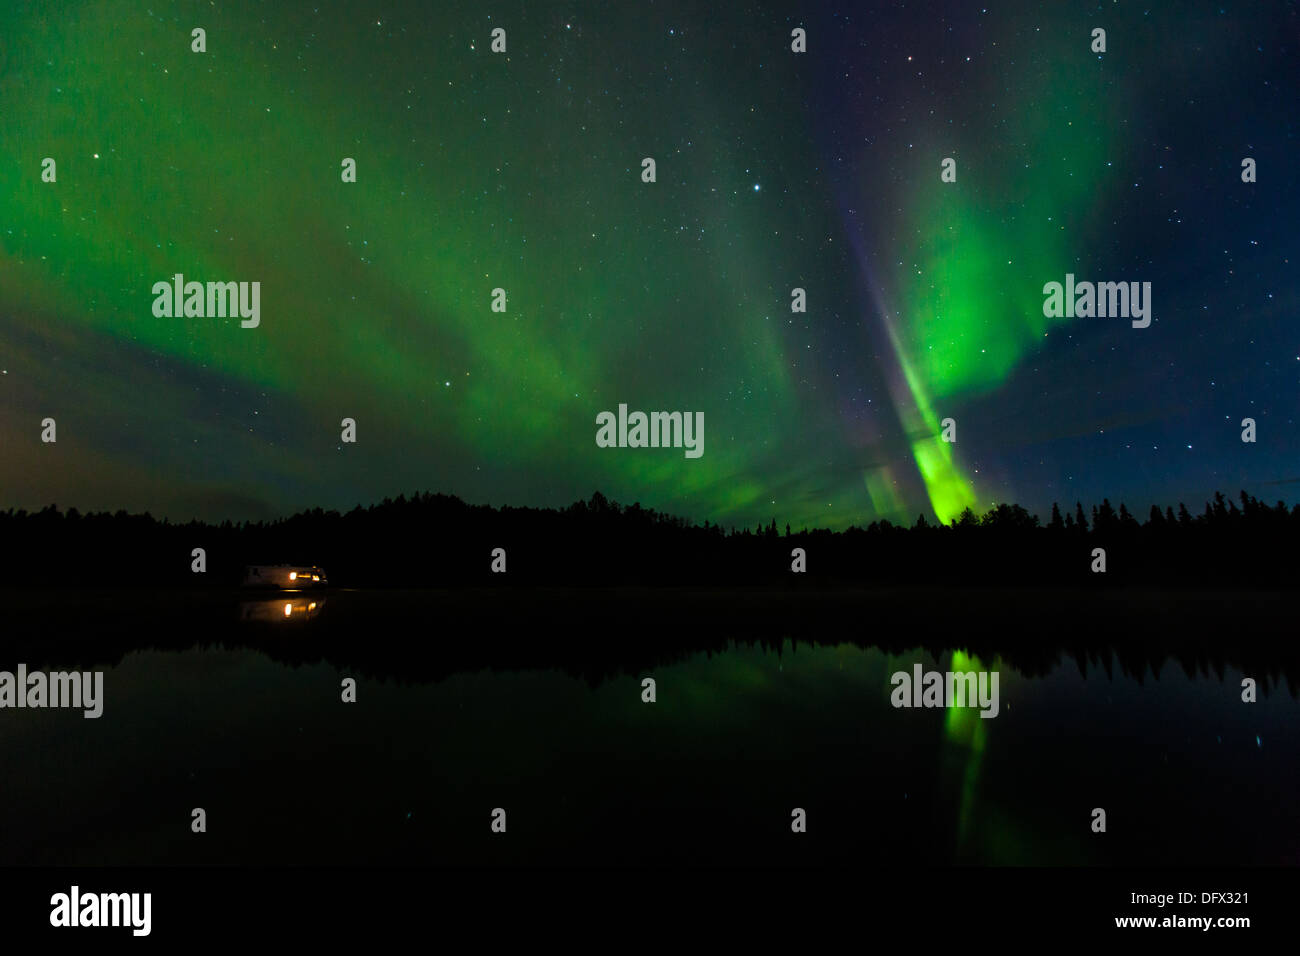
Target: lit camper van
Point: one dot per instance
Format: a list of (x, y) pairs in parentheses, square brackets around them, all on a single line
[(285, 577)]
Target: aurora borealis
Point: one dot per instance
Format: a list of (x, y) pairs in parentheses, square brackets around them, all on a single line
[(522, 171)]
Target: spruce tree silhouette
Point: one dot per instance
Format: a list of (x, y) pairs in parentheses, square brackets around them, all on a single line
[(439, 541)]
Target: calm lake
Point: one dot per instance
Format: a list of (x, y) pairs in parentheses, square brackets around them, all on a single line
[(532, 702)]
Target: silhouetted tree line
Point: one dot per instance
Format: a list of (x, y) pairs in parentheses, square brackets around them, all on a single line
[(435, 540)]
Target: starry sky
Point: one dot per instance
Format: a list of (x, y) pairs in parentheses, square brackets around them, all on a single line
[(522, 170)]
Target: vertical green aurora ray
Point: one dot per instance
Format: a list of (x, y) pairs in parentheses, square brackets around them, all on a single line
[(973, 275), (474, 174)]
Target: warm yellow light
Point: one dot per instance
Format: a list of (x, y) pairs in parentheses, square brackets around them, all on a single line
[(315, 577), (311, 606), (288, 610), (293, 575)]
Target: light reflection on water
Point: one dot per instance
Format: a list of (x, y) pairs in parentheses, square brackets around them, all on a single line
[(452, 721), (281, 609)]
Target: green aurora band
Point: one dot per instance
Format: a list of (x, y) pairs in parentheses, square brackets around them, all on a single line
[(375, 296), (973, 293)]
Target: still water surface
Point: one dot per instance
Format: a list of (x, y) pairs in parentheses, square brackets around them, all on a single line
[(235, 707)]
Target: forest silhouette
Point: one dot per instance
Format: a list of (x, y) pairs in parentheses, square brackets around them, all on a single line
[(437, 541)]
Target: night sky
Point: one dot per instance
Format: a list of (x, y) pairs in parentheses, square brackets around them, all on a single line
[(522, 170)]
